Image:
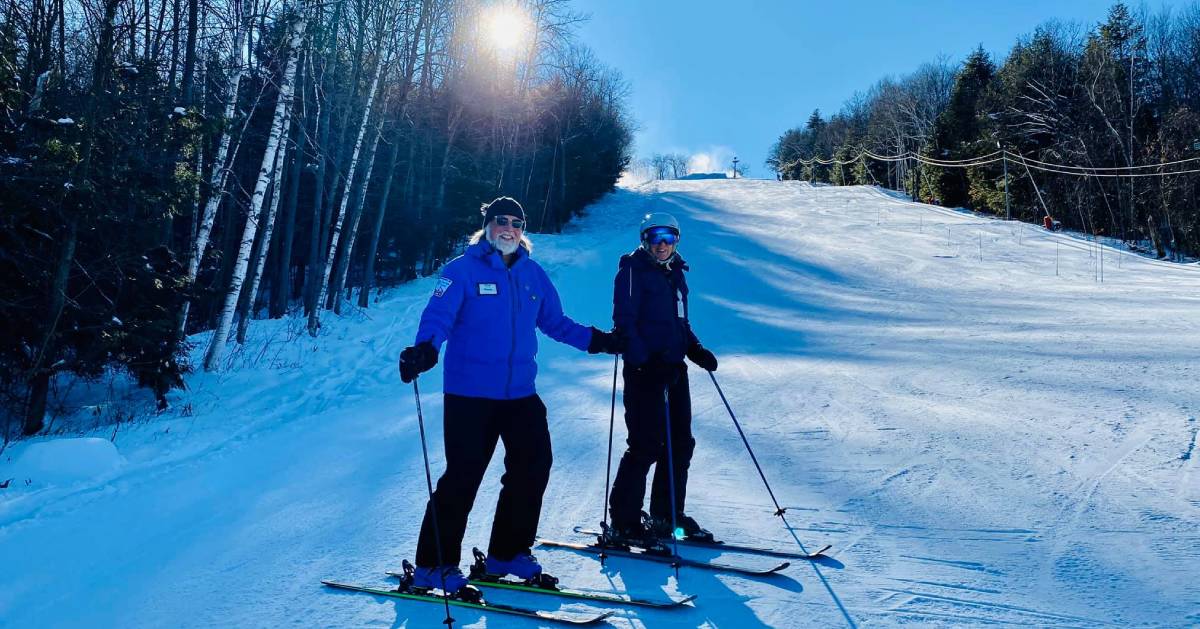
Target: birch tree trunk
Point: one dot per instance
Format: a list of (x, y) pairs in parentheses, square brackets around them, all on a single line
[(364, 293), (265, 240), (216, 183), (322, 204), (320, 138), (282, 110), (282, 292), (352, 236), (314, 318), (327, 160)]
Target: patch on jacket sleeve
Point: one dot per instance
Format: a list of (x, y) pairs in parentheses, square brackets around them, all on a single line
[(442, 286)]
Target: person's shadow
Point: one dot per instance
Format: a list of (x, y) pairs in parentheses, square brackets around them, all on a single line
[(716, 603)]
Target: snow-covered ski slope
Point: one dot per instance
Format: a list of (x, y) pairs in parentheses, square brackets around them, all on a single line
[(983, 440)]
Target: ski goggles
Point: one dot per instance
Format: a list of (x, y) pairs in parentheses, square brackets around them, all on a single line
[(660, 235), (505, 221)]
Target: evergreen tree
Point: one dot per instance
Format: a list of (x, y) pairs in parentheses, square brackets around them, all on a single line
[(956, 133)]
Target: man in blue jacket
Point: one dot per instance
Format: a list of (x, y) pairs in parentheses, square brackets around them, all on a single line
[(485, 307), (650, 309)]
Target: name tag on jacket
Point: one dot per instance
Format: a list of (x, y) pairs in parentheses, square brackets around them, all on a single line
[(487, 289)]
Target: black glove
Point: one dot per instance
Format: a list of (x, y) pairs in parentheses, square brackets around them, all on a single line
[(416, 360), (703, 358), (606, 342)]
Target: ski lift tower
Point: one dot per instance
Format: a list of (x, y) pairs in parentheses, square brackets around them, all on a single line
[(735, 163)]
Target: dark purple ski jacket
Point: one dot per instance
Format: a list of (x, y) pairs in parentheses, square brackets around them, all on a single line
[(650, 306)]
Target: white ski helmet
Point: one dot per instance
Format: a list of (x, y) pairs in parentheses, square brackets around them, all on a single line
[(658, 219)]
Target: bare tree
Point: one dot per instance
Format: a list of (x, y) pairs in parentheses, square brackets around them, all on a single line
[(267, 173), (340, 214)]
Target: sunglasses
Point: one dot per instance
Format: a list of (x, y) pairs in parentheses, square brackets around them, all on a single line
[(505, 221), (661, 235)]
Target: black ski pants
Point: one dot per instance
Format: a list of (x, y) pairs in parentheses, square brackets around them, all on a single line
[(647, 397), (471, 428)]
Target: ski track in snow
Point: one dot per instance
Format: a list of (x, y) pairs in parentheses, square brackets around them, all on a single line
[(985, 442)]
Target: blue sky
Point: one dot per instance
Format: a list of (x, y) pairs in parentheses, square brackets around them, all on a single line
[(725, 78)]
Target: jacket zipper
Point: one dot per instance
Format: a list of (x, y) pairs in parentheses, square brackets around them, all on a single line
[(513, 345)]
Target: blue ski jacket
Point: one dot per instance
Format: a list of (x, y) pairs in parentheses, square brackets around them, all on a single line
[(486, 313), (650, 307)]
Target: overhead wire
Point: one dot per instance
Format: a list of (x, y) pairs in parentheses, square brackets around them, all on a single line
[(1110, 175), (1001, 155), (1138, 167)]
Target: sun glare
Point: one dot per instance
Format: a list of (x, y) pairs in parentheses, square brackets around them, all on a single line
[(505, 27)]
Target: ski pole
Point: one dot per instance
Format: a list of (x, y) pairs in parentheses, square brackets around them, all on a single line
[(671, 479), (437, 533), (612, 418), (779, 511)]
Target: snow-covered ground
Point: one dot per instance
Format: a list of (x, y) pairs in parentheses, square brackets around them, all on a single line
[(986, 433)]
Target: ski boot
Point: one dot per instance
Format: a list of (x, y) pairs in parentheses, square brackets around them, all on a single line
[(448, 579), (686, 528), (632, 536), (523, 566)]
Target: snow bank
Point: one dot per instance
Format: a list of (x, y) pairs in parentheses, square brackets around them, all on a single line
[(64, 461)]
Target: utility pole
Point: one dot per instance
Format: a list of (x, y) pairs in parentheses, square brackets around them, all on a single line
[(1004, 159), (1132, 112), (735, 163)]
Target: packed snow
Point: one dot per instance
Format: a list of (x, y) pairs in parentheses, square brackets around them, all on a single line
[(986, 432)]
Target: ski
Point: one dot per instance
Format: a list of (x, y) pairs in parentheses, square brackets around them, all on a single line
[(483, 606), (667, 559), (735, 548), (616, 599)]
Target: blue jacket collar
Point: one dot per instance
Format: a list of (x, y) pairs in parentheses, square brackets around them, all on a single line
[(490, 256)]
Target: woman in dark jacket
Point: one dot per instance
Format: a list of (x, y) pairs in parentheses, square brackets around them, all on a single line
[(650, 310)]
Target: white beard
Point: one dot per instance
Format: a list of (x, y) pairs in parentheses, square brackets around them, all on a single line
[(505, 247)]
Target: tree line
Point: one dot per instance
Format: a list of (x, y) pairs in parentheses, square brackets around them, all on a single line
[(666, 165), (660, 166), (1096, 127), (174, 166)]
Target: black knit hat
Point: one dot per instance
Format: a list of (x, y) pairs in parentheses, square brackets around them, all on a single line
[(501, 206)]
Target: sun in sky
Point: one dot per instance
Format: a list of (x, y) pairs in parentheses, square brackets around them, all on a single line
[(505, 27)]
